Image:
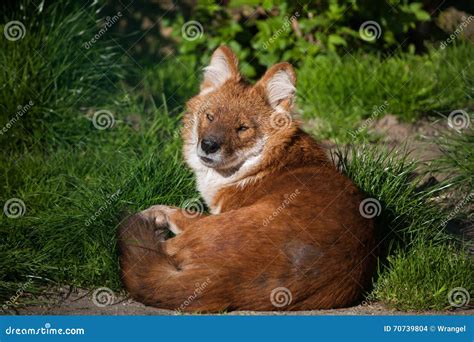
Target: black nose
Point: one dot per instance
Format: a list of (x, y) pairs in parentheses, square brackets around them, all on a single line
[(209, 145)]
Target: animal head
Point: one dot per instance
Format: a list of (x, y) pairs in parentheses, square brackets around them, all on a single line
[(231, 122)]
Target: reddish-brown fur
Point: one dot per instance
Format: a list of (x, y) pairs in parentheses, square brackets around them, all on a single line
[(290, 221)]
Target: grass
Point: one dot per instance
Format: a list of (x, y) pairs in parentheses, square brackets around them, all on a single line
[(51, 67), (420, 261), (172, 83), (389, 176), (74, 198), (77, 181), (457, 159), (338, 93), (426, 276)]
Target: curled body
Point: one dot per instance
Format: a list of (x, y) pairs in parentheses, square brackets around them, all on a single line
[(285, 231)]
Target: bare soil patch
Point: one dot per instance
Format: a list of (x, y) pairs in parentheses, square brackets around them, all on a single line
[(81, 302)]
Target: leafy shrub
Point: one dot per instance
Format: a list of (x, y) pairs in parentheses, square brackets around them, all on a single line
[(293, 31)]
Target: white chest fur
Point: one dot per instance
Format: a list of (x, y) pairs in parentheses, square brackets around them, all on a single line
[(209, 181)]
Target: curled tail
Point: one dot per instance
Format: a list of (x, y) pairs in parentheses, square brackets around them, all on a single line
[(155, 278), (142, 255)]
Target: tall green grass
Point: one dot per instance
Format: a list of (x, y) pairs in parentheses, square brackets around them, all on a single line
[(420, 261), (456, 144), (51, 67), (338, 93), (75, 196), (428, 276), (172, 82), (389, 176), (77, 181)]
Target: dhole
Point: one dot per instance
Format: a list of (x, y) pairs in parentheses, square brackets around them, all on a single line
[(285, 231)]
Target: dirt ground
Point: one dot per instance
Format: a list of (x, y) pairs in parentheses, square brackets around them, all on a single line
[(81, 302), (393, 133), (418, 137)]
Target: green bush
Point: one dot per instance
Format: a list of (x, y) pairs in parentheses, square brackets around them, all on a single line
[(267, 32)]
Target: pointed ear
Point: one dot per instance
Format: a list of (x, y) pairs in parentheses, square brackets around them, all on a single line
[(224, 66), (279, 86)]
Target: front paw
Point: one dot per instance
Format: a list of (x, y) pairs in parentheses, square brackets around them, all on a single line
[(159, 213)]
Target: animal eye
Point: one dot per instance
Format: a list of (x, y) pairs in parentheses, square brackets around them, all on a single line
[(210, 117), (242, 128)]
